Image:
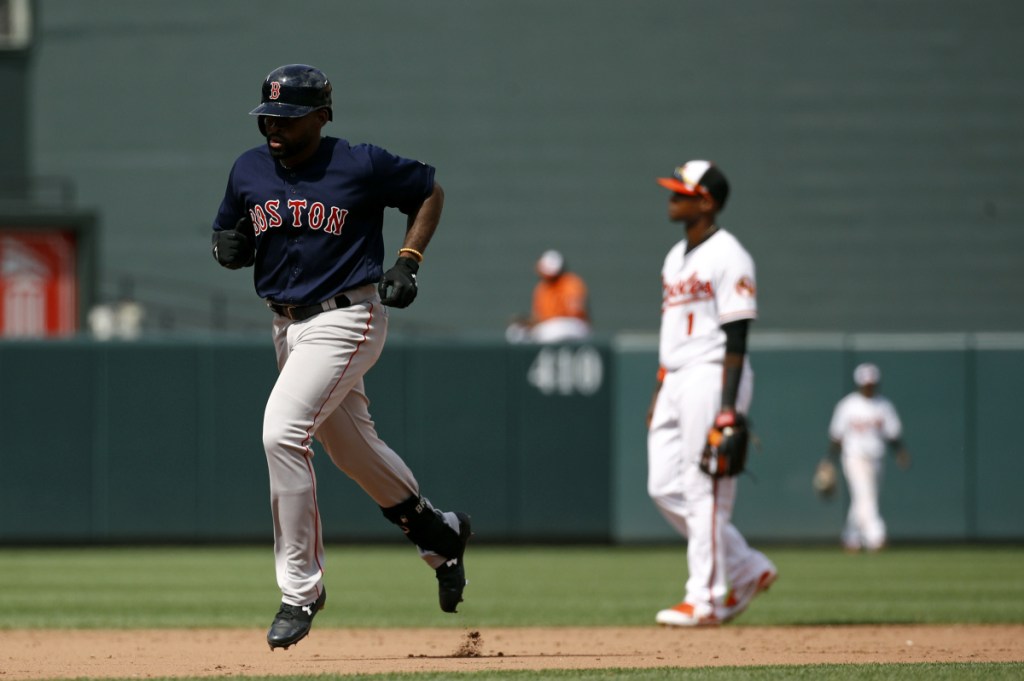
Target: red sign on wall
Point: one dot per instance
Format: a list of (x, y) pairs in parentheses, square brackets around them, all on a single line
[(38, 284)]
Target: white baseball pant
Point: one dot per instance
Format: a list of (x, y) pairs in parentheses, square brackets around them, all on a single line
[(864, 525), (319, 391), (696, 505)]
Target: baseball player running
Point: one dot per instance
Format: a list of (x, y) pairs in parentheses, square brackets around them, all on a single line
[(306, 212), (708, 302), (863, 424)]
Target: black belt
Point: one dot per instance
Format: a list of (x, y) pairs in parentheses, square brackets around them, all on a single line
[(299, 313)]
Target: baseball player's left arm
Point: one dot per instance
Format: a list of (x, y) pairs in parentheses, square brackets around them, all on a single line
[(736, 303), (423, 222), (893, 431), (732, 366), (901, 453), (398, 287)]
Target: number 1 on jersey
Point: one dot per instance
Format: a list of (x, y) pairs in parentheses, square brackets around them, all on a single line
[(689, 324)]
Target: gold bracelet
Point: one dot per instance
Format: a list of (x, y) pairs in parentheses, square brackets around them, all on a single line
[(416, 254)]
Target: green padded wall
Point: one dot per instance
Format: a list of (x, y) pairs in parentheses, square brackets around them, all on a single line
[(998, 464), (49, 415), (161, 441)]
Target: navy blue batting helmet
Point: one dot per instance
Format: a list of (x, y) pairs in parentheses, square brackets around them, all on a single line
[(294, 90)]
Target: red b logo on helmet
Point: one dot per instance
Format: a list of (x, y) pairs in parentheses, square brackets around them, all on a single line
[(275, 90)]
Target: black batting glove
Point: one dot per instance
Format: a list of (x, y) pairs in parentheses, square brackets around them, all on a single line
[(398, 287), (235, 248)]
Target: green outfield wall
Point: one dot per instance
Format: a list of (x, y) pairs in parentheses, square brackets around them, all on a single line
[(160, 440)]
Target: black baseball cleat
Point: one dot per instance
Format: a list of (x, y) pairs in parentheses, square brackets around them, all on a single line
[(293, 621), (451, 576)]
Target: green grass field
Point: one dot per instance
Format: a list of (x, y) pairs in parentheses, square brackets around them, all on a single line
[(375, 586)]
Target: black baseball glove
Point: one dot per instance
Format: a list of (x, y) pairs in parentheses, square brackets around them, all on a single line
[(235, 248), (725, 452), (398, 287)]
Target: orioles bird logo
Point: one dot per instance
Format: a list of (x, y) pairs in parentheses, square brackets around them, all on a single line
[(745, 287)]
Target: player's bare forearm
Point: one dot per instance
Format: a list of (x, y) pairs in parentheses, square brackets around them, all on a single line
[(398, 286), (423, 223)]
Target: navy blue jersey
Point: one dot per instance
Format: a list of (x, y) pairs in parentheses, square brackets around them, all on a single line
[(319, 227)]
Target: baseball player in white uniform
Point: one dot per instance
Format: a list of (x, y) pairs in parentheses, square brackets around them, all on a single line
[(864, 424), (708, 301)]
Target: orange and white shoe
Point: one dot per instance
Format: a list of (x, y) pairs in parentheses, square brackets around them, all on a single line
[(684, 615), (744, 594)]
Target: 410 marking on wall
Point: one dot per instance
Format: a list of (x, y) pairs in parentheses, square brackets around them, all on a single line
[(567, 370)]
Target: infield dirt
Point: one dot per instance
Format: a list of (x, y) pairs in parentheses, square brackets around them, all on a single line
[(54, 654)]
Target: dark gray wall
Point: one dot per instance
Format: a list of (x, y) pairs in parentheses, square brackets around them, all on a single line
[(875, 148)]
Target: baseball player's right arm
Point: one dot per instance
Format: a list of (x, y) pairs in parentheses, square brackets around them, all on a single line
[(836, 429), (234, 239), (825, 476), (235, 248), (654, 397)]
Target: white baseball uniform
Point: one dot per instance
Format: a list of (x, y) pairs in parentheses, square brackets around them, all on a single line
[(863, 425), (702, 289)]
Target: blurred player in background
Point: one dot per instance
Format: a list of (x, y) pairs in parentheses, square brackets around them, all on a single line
[(708, 301), (863, 424), (560, 309)]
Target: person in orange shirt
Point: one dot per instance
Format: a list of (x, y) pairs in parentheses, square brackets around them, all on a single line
[(560, 306)]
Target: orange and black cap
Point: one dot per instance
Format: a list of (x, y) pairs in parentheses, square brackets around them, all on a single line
[(698, 178)]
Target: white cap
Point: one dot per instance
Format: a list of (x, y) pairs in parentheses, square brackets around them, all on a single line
[(550, 264), (866, 374)]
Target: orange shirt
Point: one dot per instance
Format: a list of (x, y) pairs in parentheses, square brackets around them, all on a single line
[(563, 296)]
